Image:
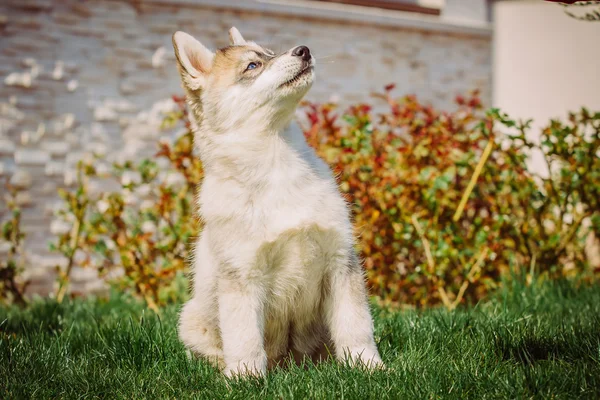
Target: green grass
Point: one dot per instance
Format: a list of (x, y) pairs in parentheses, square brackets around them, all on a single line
[(534, 343)]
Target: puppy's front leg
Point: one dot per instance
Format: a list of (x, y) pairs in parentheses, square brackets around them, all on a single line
[(242, 321), (348, 315)]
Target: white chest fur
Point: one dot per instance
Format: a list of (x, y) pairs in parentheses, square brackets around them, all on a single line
[(272, 186)]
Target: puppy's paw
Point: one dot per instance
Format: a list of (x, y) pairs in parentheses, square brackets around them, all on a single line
[(374, 365), (366, 358), (243, 369)]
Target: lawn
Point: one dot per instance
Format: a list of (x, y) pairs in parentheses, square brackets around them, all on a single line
[(539, 342)]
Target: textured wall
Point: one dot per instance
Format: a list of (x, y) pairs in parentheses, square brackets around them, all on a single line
[(94, 76)]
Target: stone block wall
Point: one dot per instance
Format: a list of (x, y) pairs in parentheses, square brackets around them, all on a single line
[(95, 76)]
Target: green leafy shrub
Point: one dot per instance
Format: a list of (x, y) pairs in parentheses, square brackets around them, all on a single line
[(12, 286), (143, 229), (444, 204)]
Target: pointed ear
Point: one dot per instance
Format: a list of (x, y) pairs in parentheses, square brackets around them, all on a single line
[(235, 37), (193, 60)]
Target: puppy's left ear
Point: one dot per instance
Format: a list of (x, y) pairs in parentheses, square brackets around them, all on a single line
[(193, 60), (235, 37)]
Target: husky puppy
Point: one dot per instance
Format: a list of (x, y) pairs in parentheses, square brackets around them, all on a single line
[(275, 270)]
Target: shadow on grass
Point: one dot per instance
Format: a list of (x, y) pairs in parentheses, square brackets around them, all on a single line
[(529, 350)]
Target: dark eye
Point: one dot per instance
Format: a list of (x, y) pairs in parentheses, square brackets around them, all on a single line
[(252, 65)]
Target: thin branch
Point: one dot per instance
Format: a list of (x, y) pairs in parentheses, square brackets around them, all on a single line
[(463, 201), (426, 246)]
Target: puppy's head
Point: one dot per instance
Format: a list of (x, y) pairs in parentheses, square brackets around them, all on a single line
[(243, 83)]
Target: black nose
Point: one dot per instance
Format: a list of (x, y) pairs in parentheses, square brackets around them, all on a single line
[(302, 52)]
